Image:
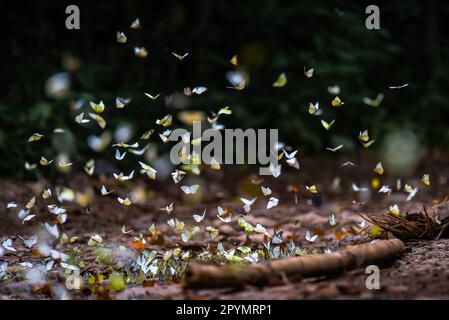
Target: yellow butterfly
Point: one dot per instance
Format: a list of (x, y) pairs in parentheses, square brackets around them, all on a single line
[(225, 110), (147, 134), (121, 38), (374, 102), (98, 108), (89, 167), (214, 164), (151, 172), (281, 81), (136, 24), (313, 108), (234, 60), (326, 125), (312, 189), (166, 121), (238, 86), (44, 161), (168, 208), (212, 231), (379, 168), (99, 119), (336, 102), (180, 57), (368, 144), (364, 136), (426, 180), (125, 145), (125, 202), (31, 203), (188, 117), (394, 210), (35, 137), (140, 52), (308, 73)]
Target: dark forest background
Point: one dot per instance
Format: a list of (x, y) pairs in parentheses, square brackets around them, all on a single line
[(269, 37)]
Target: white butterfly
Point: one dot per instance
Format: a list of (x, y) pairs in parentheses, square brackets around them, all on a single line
[(332, 219), (104, 191), (334, 90), (248, 203), (139, 152), (190, 189), (165, 136), (151, 96), (53, 230), (348, 164), (29, 166), (356, 188), (124, 230), (265, 190), (272, 202), (122, 177), (30, 241), (177, 175), (399, 87), (199, 218), (290, 155), (11, 205), (335, 149), (120, 103), (7, 244), (119, 156), (385, 189), (199, 90), (168, 208), (277, 238), (412, 194), (80, 118), (275, 169), (28, 218), (224, 215), (309, 236)]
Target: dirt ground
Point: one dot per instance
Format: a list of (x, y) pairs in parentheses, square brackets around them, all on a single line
[(421, 273)]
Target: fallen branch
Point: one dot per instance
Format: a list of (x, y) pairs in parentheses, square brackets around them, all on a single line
[(262, 274)]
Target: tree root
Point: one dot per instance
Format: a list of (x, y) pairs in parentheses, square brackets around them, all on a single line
[(263, 274)]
